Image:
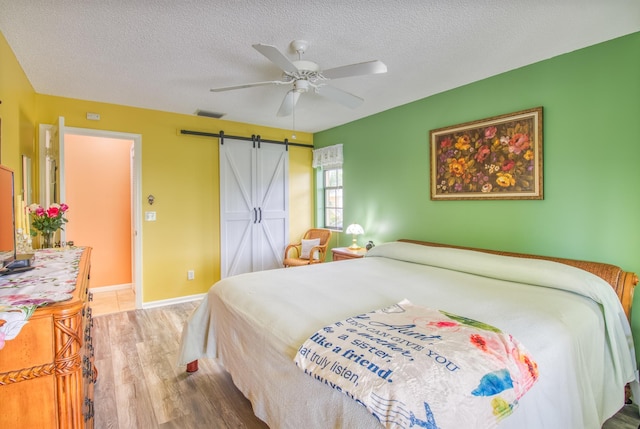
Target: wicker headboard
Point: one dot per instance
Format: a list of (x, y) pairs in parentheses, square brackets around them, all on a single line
[(623, 282)]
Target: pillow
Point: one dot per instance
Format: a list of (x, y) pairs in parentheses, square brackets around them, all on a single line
[(307, 245)]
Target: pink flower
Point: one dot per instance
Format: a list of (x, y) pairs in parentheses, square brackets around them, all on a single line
[(528, 370), (488, 344), (53, 211), (518, 143), (450, 325), (47, 221), (428, 323), (479, 341), (445, 143), (444, 324), (490, 132), (483, 153), (15, 297)]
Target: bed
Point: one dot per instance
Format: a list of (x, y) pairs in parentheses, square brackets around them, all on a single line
[(572, 316)]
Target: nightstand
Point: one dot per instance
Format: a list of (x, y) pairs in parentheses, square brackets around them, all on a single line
[(344, 253)]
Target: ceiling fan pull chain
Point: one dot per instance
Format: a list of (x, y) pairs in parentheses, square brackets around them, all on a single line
[(293, 114)]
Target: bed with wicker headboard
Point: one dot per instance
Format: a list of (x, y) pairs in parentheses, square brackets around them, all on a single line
[(254, 324), (623, 282)]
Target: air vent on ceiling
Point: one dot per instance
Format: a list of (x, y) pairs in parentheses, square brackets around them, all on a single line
[(208, 114)]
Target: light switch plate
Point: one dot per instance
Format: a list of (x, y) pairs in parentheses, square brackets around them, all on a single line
[(150, 216)]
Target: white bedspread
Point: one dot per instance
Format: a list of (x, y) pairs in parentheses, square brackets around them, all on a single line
[(570, 320)]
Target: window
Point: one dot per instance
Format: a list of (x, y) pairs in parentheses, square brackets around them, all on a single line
[(332, 184), (328, 162)]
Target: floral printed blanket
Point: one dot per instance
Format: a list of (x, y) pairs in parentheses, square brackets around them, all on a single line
[(412, 366), (53, 279)]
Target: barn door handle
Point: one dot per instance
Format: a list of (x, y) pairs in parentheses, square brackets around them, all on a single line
[(255, 215), (260, 211)]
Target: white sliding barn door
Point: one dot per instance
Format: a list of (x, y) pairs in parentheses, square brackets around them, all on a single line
[(237, 177), (272, 200), (254, 206)]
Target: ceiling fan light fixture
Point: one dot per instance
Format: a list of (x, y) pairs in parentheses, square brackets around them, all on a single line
[(301, 86)]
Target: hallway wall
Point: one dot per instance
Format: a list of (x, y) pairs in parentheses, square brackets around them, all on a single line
[(98, 192)]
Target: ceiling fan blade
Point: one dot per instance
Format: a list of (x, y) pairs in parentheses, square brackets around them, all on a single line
[(340, 96), (290, 100), (275, 56), (247, 85), (359, 69)]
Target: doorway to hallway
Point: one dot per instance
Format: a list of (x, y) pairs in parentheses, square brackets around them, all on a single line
[(99, 180)]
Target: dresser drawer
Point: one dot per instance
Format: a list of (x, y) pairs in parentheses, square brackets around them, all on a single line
[(32, 347), (29, 404)]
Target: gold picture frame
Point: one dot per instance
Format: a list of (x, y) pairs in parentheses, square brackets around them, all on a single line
[(498, 158)]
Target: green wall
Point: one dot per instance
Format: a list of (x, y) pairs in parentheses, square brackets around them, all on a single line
[(591, 206)]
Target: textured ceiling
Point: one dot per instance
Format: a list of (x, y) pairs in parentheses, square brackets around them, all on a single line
[(167, 54)]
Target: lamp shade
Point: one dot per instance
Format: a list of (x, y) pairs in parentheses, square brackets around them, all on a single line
[(354, 229)]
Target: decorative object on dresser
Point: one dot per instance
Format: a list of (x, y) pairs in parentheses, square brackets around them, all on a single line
[(47, 222), (47, 373), (344, 253), (312, 249)]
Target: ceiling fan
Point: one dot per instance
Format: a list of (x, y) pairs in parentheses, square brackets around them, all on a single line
[(304, 76)]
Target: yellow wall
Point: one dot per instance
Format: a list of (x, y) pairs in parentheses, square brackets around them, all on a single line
[(17, 112), (181, 171)]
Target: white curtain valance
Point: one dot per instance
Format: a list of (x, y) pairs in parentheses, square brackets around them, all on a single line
[(328, 157)]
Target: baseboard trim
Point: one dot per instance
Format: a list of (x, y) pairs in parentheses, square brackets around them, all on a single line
[(172, 301), (111, 288)]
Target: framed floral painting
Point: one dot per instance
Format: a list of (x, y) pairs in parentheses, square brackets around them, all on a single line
[(493, 158)]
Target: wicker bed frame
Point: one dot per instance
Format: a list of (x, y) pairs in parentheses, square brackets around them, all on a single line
[(623, 282)]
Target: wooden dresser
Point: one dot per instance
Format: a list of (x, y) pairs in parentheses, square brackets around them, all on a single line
[(47, 372)]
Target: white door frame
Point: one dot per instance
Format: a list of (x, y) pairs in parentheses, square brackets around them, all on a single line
[(136, 191), (49, 148)]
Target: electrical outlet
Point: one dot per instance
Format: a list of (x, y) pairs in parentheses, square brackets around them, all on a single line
[(191, 275)]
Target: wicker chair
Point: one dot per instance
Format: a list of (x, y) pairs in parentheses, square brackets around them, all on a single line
[(293, 254)]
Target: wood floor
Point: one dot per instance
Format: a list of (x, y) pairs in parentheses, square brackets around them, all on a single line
[(140, 386)]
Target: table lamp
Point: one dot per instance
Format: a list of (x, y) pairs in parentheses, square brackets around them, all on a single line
[(355, 230)]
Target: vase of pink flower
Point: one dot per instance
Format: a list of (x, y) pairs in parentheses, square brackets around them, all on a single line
[(46, 222)]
